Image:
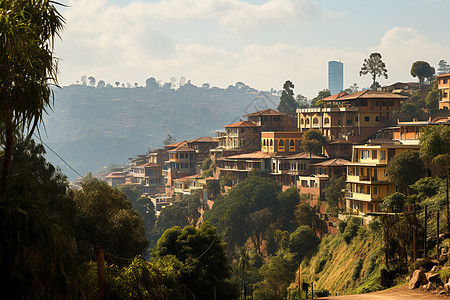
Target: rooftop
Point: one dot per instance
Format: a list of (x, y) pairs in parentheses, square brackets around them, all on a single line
[(204, 139), (335, 96), (335, 162), (241, 124), (305, 155), (265, 112), (254, 155), (367, 94), (444, 75)]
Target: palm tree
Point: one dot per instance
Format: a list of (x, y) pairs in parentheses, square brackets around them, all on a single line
[(27, 69)]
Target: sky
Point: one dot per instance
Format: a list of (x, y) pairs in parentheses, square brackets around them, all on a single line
[(262, 43)]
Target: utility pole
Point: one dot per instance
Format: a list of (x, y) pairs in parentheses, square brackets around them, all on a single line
[(448, 209), (425, 233), (437, 235), (100, 258), (414, 231), (299, 290)]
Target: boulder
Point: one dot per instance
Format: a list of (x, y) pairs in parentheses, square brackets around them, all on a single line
[(418, 278), (440, 290), (434, 278), (430, 286), (447, 288)]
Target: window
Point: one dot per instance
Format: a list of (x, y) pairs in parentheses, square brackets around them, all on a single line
[(445, 81), (377, 103), (370, 207), (382, 155), (444, 95), (307, 121), (377, 119), (291, 143), (356, 119), (362, 102), (391, 103), (375, 190), (326, 121), (367, 119), (302, 121), (349, 122), (271, 143), (365, 154), (264, 142), (315, 121), (383, 103), (374, 154), (281, 144)]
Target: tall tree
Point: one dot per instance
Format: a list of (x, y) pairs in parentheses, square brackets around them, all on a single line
[(203, 254), (287, 104), (405, 169), (27, 68), (302, 101), (91, 80), (317, 101), (375, 67), (312, 141), (421, 70), (435, 146), (443, 67)]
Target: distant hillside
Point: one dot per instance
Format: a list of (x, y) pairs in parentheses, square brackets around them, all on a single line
[(92, 127)]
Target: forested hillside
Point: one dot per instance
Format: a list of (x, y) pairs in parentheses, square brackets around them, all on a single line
[(92, 127)]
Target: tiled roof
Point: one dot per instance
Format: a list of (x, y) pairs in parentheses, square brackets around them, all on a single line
[(175, 145), (335, 162), (116, 175), (369, 94), (444, 75), (242, 124), (441, 120), (265, 112), (254, 155), (304, 155), (335, 96), (341, 142), (182, 148), (204, 139)]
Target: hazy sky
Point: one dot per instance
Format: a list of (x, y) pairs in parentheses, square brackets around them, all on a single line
[(261, 43)]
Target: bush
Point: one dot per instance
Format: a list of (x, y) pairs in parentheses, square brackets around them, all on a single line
[(351, 230), (341, 226), (372, 264), (322, 293), (357, 269)]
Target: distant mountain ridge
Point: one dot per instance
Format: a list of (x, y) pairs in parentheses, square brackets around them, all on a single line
[(91, 127)]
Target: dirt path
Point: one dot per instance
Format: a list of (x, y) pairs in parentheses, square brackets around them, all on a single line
[(396, 293)]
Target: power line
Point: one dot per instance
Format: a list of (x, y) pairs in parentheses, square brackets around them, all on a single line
[(57, 155)]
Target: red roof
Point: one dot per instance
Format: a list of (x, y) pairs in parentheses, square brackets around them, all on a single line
[(335, 96), (242, 124), (444, 75), (254, 155), (175, 145), (369, 94), (182, 148), (205, 139), (265, 112), (335, 162), (305, 155)]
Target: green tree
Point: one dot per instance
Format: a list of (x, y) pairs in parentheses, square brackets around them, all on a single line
[(435, 146), (36, 215), (375, 67), (421, 70), (169, 140), (313, 141), (405, 169), (303, 241), (202, 252), (230, 213), (287, 104), (394, 203), (27, 69), (443, 67), (288, 200), (333, 192), (317, 101), (409, 111), (302, 101), (106, 219)]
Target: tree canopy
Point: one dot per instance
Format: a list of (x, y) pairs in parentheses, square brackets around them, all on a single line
[(312, 141), (27, 68), (317, 101), (435, 145), (375, 67), (202, 252), (287, 104), (421, 70), (405, 169)]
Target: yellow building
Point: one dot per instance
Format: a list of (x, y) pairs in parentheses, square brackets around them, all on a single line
[(367, 182), (281, 142), (444, 91)]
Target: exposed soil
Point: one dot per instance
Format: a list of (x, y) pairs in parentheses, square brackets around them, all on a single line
[(396, 293)]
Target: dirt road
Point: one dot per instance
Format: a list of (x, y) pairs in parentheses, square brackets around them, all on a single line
[(396, 293)]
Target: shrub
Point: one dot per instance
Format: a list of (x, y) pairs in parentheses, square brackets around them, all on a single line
[(357, 269), (351, 230), (341, 226)]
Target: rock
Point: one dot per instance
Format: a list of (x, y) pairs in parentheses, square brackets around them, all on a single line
[(418, 278), (433, 269), (440, 290), (431, 286), (434, 278), (447, 287)]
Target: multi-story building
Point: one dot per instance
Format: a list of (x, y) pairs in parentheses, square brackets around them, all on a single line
[(367, 182), (272, 120), (281, 142), (148, 178), (352, 117), (444, 91), (202, 146), (159, 156), (181, 163), (335, 76), (243, 135), (335, 167), (115, 178)]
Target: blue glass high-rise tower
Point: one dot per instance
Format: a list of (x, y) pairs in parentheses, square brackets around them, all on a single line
[(335, 76)]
